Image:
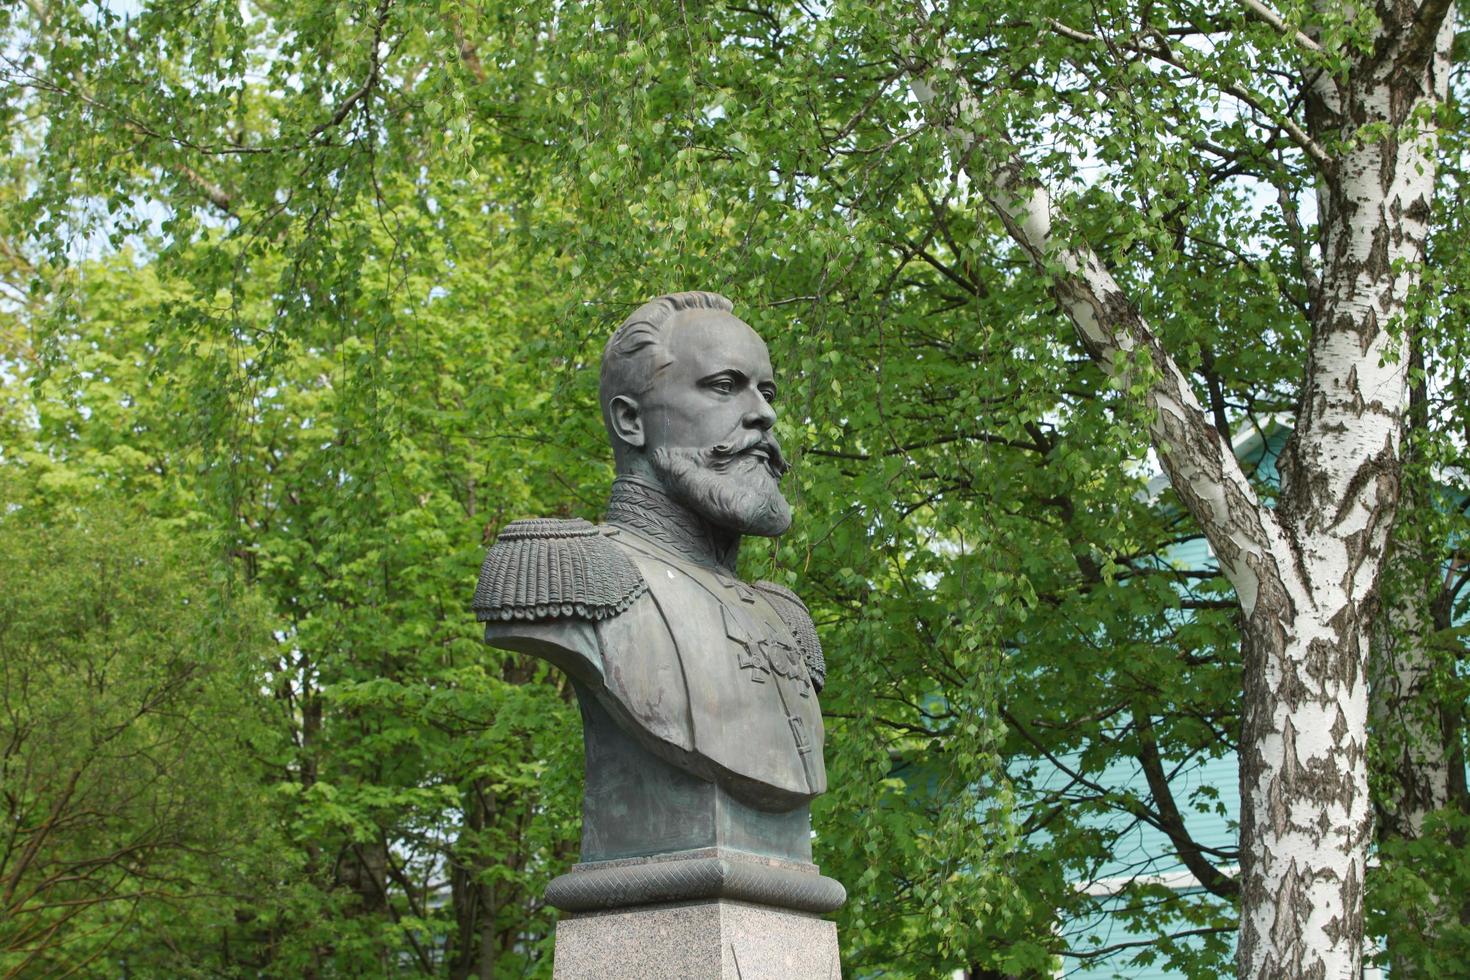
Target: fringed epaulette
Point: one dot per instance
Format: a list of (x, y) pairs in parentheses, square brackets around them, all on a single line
[(555, 569), (798, 620)]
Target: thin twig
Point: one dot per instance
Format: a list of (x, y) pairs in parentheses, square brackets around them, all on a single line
[(1264, 13)]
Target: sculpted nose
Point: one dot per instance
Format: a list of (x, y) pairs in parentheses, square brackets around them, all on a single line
[(760, 415)]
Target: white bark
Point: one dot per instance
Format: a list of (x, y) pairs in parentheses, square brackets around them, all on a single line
[(1306, 574), (1306, 819)]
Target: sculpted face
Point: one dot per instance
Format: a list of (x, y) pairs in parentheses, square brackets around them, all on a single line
[(707, 425)]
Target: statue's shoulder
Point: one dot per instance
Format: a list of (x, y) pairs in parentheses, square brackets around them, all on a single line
[(547, 569), (798, 620)]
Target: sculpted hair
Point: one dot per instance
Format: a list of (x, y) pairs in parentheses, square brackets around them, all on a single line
[(637, 350)]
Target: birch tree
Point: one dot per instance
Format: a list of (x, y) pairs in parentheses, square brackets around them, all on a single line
[(1306, 571), (1105, 141), (1418, 696)]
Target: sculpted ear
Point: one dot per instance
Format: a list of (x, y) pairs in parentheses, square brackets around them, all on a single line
[(626, 420)]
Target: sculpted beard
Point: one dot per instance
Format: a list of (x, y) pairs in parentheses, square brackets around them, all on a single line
[(737, 488)]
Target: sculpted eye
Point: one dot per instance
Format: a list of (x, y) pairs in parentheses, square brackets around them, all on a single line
[(768, 392), (723, 385)]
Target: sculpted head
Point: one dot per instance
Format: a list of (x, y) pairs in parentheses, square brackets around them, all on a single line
[(686, 392)]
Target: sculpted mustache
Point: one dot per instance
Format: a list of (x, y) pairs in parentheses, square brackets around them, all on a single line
[(727, 451)]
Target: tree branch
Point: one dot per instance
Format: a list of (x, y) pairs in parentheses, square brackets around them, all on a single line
[(1171, 822), (212, 192), (1199, 462), (374, 69), (1162, 52), (468, 53), (1092, 954), (1264, 13)]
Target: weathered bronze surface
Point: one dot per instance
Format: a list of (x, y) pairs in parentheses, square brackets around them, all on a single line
[(698, 690)]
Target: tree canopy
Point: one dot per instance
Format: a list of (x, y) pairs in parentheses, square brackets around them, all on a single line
[(311, 295)]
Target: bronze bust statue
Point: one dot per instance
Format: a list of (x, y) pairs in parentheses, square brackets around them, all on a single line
[(698, 691)]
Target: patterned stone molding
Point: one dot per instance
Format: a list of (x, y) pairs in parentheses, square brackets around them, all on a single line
[(698, 875)]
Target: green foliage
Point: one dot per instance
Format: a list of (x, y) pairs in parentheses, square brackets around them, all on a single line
[(129, 725), (1417, 894), (409, 758), (325, 283)]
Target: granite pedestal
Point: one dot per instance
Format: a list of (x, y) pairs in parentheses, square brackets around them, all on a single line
[(696, 941)]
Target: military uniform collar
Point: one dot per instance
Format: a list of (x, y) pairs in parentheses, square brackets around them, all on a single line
[(645, 509)]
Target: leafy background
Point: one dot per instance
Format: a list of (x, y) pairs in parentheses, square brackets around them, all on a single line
[(303, 301)]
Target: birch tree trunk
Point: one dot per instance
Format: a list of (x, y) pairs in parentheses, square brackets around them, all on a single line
[(1406, 714), (1306, 819), (1412, 724), (1414, 747), (1306, 573)]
